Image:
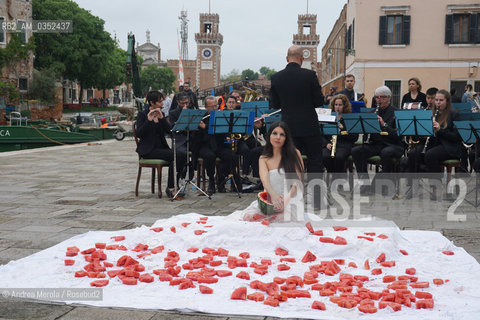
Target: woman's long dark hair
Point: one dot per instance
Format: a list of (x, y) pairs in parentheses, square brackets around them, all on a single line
[(290, 161), (443, 117)]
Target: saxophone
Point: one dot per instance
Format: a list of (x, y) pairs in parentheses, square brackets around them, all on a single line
[(428, 138), (334, 146)]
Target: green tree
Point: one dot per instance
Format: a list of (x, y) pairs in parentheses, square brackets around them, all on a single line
[(82, 54), (42, 86), (250, 74), (266, 71), (155, 78), (232, 76), (113, 72)]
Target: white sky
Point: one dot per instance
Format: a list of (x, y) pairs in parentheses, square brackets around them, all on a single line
[(256, 33)]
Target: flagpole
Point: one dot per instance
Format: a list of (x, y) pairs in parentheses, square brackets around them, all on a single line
[(180, 65)]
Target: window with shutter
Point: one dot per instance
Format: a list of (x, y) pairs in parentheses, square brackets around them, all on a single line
[(394, 30), (462, 28)]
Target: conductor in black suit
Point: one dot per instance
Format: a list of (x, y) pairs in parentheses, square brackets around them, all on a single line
[(151, 128), (297, 93)]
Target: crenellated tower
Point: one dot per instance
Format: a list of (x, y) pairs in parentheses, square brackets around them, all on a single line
[(308, 39)]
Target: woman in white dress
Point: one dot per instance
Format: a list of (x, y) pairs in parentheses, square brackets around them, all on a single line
[(281, 171)]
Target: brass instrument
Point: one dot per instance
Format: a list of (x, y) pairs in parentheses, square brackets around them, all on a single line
[(334, 146), (233, 140), (411, 142), (428, 138), (251, 95)]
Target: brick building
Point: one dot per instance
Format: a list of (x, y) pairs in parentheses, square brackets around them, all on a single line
[(16, 12)]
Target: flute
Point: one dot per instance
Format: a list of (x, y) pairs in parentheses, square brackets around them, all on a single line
[(268, 115)]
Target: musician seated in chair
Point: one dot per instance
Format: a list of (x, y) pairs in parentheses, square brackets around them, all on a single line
[(335, 162), (184, 102), (245, 144), (212, 146), (388, 146), (446, 142), (151, 128)]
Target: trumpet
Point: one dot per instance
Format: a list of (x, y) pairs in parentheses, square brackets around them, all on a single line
[(334, 146), (428, 138)]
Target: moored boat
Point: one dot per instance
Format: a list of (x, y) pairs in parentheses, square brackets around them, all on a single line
[(31, 136)]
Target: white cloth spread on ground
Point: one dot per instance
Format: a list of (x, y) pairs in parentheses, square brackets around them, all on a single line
[(457, 298)]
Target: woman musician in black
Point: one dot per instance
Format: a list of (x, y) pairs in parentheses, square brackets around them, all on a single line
[(446, 142), (416, 145), (335, 160)]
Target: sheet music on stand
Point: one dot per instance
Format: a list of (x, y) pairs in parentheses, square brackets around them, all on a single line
[(412, 105), (414, 122)]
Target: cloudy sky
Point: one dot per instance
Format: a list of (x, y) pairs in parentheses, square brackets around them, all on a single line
[(256, 33)]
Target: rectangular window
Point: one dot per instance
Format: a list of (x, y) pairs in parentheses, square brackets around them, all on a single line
[(2, 33), (476, 86), (23, 84), (462, 28), (461, 22), (459, 85), (394, 30), (394, 86), (89, 94)]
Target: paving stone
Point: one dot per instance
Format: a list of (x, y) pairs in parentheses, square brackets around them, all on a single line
[(34, 228), (82, 313), (7, 243), (20, 309), (96, 225), (18, 253)]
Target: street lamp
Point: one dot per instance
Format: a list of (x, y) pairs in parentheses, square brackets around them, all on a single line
[(347, 51)]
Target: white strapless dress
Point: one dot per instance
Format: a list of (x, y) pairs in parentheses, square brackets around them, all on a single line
[(294, 209)]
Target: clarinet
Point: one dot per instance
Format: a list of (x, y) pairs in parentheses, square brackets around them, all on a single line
[(368, 137), (428, 138)]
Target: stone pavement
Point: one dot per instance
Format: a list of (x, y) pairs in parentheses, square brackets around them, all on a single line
[(49, 195)]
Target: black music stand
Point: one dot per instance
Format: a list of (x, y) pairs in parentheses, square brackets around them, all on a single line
[(470, 133), (259, 108), (231, 122), (417, 122), (361, 123), (188, 120), (271, 119)]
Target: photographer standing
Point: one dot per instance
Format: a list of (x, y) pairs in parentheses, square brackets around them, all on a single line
[(151, 128)]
